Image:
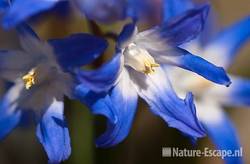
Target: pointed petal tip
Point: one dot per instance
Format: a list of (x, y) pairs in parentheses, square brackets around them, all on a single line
[(104, 142), (225, 79), (229, 83), (205, 7), (102, 145)]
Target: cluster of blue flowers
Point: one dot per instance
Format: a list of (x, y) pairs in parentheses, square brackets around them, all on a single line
[(144, 66)]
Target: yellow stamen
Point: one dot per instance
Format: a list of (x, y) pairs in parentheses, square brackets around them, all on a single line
[(29, 79), (139, 59), (149, 67)]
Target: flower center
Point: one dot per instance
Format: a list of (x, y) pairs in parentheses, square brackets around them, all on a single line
[(42, 73), (29, 79), (139, 59)]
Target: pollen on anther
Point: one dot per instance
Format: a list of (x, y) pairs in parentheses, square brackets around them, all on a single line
[(29, 79), (149, 67)]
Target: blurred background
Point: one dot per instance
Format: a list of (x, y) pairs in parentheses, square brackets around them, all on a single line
[(149, 133)]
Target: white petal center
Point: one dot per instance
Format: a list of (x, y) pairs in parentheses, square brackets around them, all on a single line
[(139, 59)]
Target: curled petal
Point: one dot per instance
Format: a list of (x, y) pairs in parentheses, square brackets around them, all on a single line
[(124, 100), (119, 106), (99, 103), (53, 133), (102, 78)]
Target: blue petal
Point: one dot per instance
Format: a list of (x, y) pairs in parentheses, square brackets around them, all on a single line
[(9, 115), (62, 8), (184, 27), (211, 28), (106, 11), (133, 9), (139, 10), (124, 99), (228, 42), (223, 134), (3, 5), (174, 32), (99, 103), (53, 133), (173, 8), (186, 60), (78, 49), (119, 106), (238, 94), (103, 78), (157, 91), (126, 35), (22, 10)]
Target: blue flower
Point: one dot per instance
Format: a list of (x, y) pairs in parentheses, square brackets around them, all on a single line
[(18, 11), (172, 8), (108, 11), (3, 5), (105, 11), (43, 73), (220, 49), (144, 58)]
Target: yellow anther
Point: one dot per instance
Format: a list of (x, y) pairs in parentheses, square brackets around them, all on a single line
[(29, 79), (139, 59), (149, 67), (155, 65)]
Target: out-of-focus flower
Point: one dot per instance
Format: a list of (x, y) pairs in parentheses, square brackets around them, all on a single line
[(3, 5), (172, 8), (210, 99), (42, 74), (108, 11), (144, 57), (18, 10), (105, 11)]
